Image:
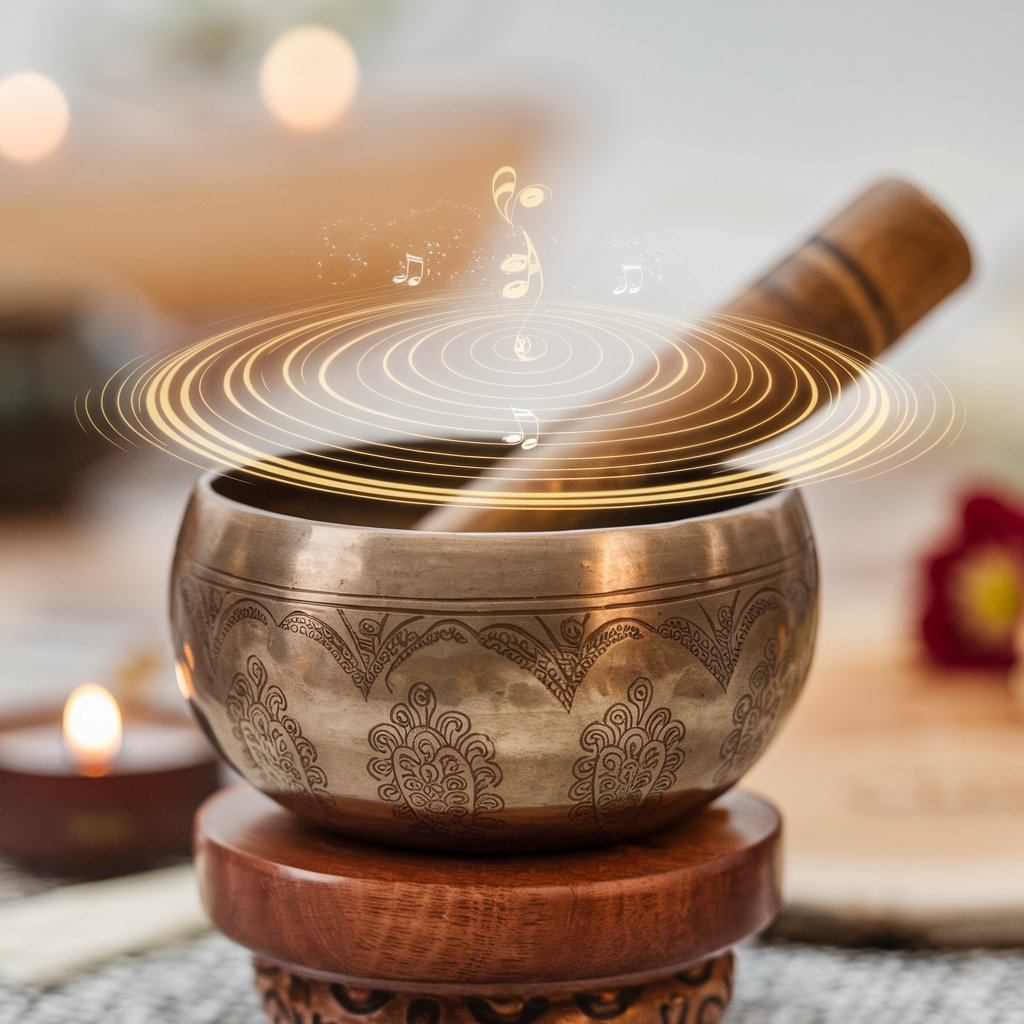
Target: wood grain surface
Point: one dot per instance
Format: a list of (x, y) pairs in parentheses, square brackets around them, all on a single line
[(386, 918), (902, 788), (228, 218)]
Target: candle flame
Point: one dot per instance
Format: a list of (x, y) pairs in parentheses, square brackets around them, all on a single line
[(92, 728)]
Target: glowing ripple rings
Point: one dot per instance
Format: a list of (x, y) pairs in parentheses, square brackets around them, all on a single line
[(666, 402)]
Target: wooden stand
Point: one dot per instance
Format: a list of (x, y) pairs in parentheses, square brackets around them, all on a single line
[(342, 930), (698, 995)]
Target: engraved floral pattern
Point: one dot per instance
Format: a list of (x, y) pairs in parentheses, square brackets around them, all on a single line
[(276, 751), (367, 649), (440, 773), (757, 711), (243, 610), (561, 662), (718, 648), (632, 756), (203, 604), (560, 654)]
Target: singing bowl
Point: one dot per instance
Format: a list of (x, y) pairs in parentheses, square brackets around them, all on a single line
[(489, 692)]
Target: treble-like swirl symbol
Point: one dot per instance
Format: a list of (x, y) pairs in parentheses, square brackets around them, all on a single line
[(509, 202)]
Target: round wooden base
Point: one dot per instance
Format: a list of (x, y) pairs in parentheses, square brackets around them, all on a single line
[(343, 929), (698, 995)]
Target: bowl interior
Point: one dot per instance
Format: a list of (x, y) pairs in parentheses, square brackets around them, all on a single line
[(436, 465)]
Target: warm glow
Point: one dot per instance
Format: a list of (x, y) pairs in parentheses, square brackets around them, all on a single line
[(183, 677), (34, 116), (92, 728), (309, 77)]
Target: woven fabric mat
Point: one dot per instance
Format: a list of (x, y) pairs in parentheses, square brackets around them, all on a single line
[(209, 981)]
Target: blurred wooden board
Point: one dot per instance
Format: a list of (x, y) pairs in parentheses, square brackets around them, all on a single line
[(902, 791), (230, 218)]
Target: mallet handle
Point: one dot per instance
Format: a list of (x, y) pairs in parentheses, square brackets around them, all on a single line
[(862, 280)]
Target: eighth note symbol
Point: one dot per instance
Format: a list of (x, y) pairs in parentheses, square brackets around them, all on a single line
[(632, 279), (407, 276), (519, 436)]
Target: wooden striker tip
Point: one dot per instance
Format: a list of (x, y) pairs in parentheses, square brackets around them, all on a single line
[(905, 245)]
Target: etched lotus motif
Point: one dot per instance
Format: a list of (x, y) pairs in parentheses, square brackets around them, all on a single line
[(632, 756), (624, 776), (757, 712), (438, 771), (273, 744), (433, 778)]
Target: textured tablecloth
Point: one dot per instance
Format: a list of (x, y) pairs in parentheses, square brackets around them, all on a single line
[(208, 981)]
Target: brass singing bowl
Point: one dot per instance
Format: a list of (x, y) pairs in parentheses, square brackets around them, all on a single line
[(489, 692)]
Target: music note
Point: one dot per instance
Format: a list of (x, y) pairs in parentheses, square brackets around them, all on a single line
[(516, 263), (527, 438), (632, 279), (407, 276), (506, 201)]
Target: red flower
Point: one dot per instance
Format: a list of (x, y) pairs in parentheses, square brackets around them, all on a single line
[(975, 595)]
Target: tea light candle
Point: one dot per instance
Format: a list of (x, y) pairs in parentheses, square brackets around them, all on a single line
[(91, 793)]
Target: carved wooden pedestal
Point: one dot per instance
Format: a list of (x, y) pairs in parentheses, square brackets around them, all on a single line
[(698, 995), (344, 931)]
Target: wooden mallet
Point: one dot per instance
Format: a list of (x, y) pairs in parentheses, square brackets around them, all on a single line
[(861, 281)]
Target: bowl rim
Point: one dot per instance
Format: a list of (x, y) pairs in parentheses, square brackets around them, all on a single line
[(771, 499)]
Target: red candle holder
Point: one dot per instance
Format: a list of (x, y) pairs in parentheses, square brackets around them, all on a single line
[(88, 821)]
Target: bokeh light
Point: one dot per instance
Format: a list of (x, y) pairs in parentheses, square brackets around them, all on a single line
[(309, 77), (34, 116)]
